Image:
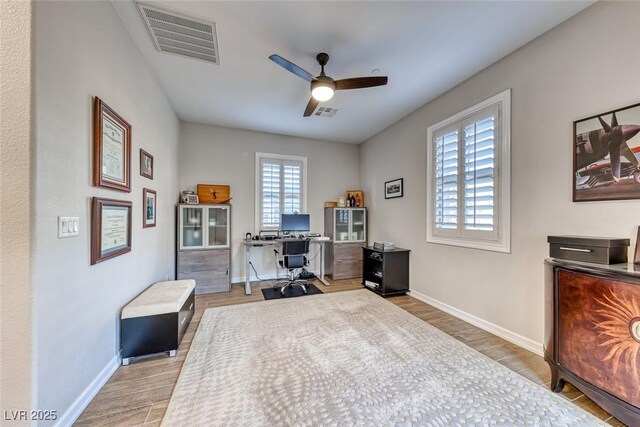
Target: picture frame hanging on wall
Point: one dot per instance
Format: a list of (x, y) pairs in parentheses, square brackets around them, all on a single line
[(606, 153), (146, 164), (149, 198), (636, 252), (394, 188), (110, 228), (111, 148)]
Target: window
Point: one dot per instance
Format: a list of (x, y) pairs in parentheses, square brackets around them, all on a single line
[(468, 177), (281, 187)]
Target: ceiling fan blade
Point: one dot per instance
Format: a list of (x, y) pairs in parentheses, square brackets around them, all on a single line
[(311, 107), (361, 82), (290, 66)]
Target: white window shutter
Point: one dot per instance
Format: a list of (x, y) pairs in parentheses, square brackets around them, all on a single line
[(479, 173), (469, 168), (446, 179), (280, 188)]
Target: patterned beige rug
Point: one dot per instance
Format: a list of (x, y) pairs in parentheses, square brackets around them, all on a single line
[(348, 358)]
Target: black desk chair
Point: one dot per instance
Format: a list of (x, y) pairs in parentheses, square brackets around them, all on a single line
[(294, 256)]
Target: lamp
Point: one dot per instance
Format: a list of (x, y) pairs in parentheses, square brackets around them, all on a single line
[(322, 88)]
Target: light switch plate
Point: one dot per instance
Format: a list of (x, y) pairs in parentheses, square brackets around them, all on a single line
[(68, 226)]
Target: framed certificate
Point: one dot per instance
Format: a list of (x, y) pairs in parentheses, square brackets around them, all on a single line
[(110, 228), (111, 148), (149, 204)]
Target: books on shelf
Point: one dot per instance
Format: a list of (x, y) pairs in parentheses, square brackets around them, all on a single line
[(383, 246)]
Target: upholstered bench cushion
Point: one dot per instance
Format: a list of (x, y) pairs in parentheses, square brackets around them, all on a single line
[(160, 298)]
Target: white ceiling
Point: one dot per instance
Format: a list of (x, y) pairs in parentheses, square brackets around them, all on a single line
[(425, 48)]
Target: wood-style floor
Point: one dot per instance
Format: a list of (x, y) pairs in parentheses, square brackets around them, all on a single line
[(138, 394)]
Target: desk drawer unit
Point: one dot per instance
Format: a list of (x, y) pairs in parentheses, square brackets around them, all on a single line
[(344, 261), (209, 268)]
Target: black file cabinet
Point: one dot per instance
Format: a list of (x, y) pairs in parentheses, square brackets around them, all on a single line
[(386, 272)]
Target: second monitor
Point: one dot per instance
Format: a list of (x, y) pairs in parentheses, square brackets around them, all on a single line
[(294, 222)]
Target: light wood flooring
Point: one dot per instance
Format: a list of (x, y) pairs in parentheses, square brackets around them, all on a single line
[(138, 394)]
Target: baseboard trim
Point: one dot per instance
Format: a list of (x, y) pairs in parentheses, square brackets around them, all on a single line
[(504, 333), (71, 415)]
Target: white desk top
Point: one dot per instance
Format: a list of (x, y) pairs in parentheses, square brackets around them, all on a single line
[(274, 242)]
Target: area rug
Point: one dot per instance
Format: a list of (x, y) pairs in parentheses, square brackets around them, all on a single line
[(290, 292), (348, 358)]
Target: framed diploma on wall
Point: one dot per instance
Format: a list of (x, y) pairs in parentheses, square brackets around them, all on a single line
[(111, 148), (110, 228)]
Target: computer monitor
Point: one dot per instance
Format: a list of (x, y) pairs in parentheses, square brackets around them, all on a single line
[(294, 222)]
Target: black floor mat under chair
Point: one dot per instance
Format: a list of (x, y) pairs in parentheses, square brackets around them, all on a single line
[(290, 292)]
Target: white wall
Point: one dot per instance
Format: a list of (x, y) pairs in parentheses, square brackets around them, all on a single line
[(82, 49), (219, 155), (582, 67), (15, 212)]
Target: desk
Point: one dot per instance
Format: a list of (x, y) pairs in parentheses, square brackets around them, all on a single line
[(250, 244)]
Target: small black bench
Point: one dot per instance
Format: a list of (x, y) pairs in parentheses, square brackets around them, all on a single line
[(156, 320)]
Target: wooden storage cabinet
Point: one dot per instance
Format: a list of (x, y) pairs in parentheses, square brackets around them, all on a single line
[(592, 333), (343, 261), (347, 229), (204, 250), (386, 272), (209, 268)]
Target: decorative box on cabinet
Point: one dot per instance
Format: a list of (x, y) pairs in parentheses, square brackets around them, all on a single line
[(592, 333), (204, 250), (386, 272), (347, 229)]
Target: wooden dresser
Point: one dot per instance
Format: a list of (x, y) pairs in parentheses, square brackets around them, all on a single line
[(592, 333)]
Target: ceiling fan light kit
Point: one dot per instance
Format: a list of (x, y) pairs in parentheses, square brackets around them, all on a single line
[(323, 86), (322, 90)]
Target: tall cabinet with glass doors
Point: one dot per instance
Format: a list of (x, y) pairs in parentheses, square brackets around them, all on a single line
[(204, 249), (347, 229)]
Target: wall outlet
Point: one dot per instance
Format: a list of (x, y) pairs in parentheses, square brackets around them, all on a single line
[(68, 226)]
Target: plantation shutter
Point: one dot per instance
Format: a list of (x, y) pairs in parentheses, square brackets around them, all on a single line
[(464, 177), (480, 172), (446, 179), (281, 190), (469, 177)]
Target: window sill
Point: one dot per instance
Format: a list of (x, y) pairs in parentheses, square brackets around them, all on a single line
[(503, 247)]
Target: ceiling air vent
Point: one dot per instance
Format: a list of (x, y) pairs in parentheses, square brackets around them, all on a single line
[(326, 112), (181, 35)]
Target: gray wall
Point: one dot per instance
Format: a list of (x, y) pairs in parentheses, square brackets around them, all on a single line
[(82, 49), (585, 66), (219, 155)]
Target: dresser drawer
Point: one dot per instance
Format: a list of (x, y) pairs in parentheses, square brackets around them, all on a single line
[(346, 269), (209, 281), (347, 251), (193, 261)]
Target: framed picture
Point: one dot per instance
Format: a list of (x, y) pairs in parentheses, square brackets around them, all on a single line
[(605, 156), (146, 164), (149, 203), (636, 253), (393, 189), (111, 148), (191, 199), (110, 228)]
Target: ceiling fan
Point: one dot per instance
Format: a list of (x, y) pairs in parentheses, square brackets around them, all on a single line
[(323, 86)]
